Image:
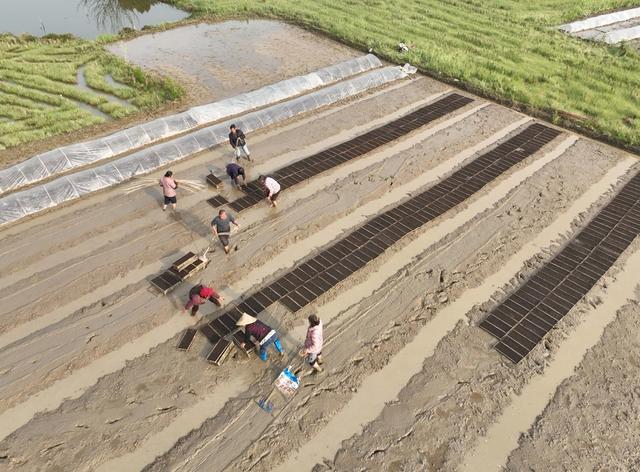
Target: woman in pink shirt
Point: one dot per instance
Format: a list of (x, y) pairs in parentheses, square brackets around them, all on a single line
[(169, 186), (313, 343)]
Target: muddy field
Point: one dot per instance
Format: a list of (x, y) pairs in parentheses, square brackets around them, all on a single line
[(91, 379)]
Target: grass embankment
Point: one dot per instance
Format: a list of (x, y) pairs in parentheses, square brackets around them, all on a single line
[(504, 49), (40, 96)]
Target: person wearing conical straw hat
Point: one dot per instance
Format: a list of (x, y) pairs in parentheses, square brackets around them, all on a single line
[(261, 333)]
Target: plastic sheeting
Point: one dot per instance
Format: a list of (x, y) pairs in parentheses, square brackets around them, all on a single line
[(69, 187), (65, 158)]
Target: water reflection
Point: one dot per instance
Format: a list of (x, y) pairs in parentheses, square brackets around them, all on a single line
[(113, 15), (83, 18)]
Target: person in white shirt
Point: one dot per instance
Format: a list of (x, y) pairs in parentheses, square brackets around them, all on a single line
[(272, 189)]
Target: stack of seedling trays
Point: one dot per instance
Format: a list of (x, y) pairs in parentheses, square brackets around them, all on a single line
[(220, 346), (222, 333), (181, 269)]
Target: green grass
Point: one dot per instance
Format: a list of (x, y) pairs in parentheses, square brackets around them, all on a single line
[(39, 93), (504, 49)]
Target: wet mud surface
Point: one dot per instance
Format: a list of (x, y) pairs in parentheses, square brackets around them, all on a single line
[(74, 284), (220, 60)]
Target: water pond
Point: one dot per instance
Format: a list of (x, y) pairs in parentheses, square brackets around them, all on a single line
[(83, 18)]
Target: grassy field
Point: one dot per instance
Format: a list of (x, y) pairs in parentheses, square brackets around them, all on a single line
[(40, 96), (504, 49)]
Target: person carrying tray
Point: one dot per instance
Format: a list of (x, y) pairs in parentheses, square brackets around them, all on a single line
[(221, 227), (199, 295), (238, 142), (263, 335)]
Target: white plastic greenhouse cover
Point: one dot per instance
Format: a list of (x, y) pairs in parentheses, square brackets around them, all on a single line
[(51, 163), (72, 186)]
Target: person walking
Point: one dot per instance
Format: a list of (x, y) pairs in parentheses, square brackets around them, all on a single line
[(313, 344), (234, 171), (261, 333), (271, 189), (221, 227), (238, 142), (169, 186), (199, 295)]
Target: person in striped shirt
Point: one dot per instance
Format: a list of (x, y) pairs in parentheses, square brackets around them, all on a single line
[(272, 189), (313, 344)]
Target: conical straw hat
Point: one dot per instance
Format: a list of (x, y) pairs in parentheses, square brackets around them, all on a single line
[(245, 320)]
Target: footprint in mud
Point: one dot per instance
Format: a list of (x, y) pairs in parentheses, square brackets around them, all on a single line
[(476, 397)]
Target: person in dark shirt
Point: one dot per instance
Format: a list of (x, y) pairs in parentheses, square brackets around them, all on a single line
[(221, 227), (261, 333), (238, 142), (234, 171)]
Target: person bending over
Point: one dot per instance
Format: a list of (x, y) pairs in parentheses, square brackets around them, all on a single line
[(263, 334), (271, 189), (234, 171), (199, 295)]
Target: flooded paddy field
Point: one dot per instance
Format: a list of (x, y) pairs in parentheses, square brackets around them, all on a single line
[(214, 61)]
